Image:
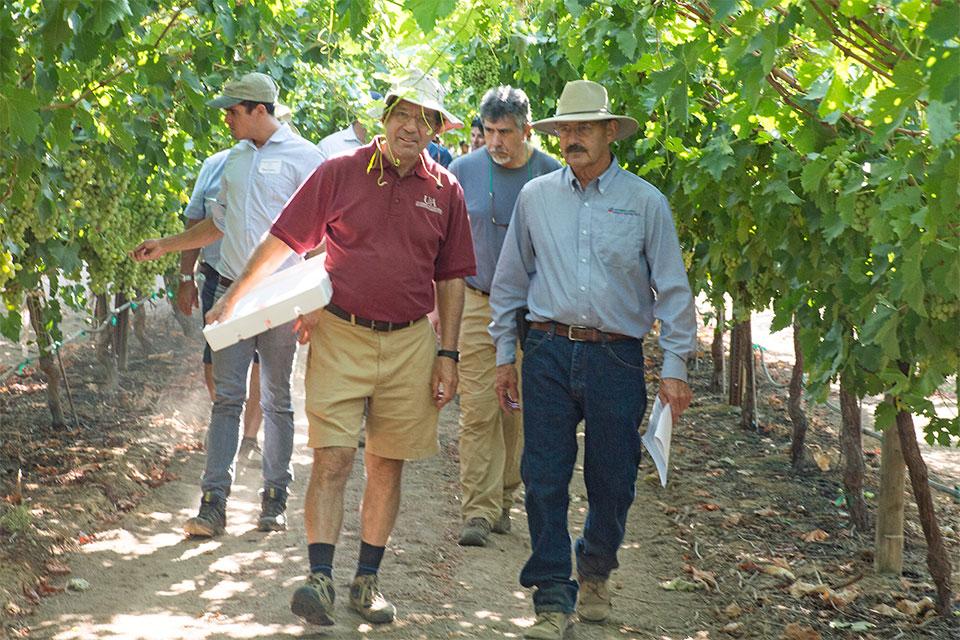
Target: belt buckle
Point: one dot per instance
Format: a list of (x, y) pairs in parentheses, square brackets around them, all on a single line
[(570, 330)]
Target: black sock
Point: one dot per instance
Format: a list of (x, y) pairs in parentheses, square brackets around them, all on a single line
[(321, 558), (369, 561)]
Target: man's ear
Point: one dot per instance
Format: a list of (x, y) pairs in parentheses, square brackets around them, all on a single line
[(613, 128)]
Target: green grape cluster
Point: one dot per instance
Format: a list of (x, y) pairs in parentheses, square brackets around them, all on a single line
[(20, 216), (941, 310), (838, 171), (861, 217), (481, 71), (8, 268)]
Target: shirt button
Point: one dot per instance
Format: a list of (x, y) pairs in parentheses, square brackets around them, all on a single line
[(584, 232), (583, 288), (583, 317), (583, 259)]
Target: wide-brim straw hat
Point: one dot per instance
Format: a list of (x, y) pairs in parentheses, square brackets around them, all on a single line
[(421, 89), (585, 101)]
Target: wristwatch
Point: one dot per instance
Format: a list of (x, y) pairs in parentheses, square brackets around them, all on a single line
[(186, 277), (449, 353)]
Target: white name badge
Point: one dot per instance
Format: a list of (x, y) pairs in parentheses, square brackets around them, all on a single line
[(270, 166)]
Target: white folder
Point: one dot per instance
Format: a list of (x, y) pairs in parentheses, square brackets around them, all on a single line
[(656, 439)]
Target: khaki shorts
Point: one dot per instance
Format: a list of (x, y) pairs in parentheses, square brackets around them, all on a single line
[(348, 364)]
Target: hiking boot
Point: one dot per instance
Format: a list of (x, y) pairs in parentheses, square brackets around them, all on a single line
[(314, 600), (475, 532), (550, 625), (366, 599), (249, 453), (211, 520), (273, 504), (502, 525), (593, 600)]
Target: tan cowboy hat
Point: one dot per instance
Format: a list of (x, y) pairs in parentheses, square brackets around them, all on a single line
[(421, 89), (585, 101)]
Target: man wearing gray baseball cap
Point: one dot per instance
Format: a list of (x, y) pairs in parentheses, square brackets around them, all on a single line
[(261, 172)]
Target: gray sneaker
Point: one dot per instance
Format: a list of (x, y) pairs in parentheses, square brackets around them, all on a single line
[(211, 520), (366, 599), (502, 525), (475, 532), (314, 600)]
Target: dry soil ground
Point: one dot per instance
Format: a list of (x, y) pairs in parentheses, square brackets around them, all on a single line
[(738, 530)]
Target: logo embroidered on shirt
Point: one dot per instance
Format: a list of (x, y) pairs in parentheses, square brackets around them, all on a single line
[(430, 204)]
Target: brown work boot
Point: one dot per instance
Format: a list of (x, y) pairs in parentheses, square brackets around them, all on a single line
[(211, 521), (475, 532), (593, 599), (550, 625)]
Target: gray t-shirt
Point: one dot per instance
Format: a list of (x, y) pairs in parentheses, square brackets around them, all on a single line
[(491, 192)]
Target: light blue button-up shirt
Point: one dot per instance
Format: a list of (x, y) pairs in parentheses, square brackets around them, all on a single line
[(605, 257), (205, 191), (255, 185)]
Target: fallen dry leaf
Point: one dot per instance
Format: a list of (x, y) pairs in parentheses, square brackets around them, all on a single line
[(733, 628), (707, 578), (777, 572), (889, 612), (731, 520), (915, 609), (766, 513), (748, 565), (817, 535), (797, 631), (800, 588), (840, 599), (822, 460), (703, 493), (733, 611), (710, 506)]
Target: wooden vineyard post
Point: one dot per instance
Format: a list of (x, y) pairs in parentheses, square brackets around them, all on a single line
[(888, 556)]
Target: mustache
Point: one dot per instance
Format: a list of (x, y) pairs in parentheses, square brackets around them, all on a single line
[(574, 147)]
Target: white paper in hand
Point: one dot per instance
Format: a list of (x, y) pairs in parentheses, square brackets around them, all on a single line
[(656, 439), (280, 298)]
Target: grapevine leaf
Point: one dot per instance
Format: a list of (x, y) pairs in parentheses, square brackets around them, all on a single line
[(941, 122), (944, 23), (19, 113), (427, 12), (106, 13)]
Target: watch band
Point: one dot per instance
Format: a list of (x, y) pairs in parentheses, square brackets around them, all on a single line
[(449, 353), (186, 277)]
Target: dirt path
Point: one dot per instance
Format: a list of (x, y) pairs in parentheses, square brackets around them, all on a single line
[(147, 581)]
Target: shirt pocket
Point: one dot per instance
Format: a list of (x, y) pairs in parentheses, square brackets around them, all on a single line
[(620, 237)]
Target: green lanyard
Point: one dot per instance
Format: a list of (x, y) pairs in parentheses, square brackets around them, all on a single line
[(493, 214)]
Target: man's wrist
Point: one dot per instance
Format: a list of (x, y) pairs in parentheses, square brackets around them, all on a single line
[(453, 354), (186, 277)]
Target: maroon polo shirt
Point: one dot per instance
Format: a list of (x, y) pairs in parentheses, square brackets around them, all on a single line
[(386, 243)]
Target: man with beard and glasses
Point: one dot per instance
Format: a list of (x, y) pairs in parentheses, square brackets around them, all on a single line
[(490, 439), (593, 254), (394, 222)]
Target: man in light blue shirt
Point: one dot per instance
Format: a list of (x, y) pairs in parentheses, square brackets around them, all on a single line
[(261, 172), (592, 252)]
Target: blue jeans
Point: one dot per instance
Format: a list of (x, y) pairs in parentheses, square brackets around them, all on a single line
[(565, 382), (230, 366)]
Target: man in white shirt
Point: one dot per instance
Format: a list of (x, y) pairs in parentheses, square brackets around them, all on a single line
[(262, 171), (353, 137)]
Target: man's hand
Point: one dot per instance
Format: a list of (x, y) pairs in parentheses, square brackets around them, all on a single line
[(506, 388), (434, 318), (221, 310), (148, 250), (305, 324), (187, 298), (677, 394), (444, 380)]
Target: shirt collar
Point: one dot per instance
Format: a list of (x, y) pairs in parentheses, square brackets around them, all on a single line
[(350, 135), (602, 182), (282, 133)]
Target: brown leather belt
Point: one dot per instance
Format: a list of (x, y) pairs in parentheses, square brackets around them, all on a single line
[(480, 291), (376, 325), (208, 271), (579, 334), (225, 281)]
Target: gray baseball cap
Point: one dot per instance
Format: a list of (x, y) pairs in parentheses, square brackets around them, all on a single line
[(256, 87)]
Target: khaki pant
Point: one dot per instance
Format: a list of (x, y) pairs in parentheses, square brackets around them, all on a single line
[(490, 439), (348, 365)]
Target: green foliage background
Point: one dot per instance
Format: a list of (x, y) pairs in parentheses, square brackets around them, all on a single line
[(809, 149)]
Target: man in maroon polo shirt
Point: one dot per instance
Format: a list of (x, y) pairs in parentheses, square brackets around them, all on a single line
[(394, 222)]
